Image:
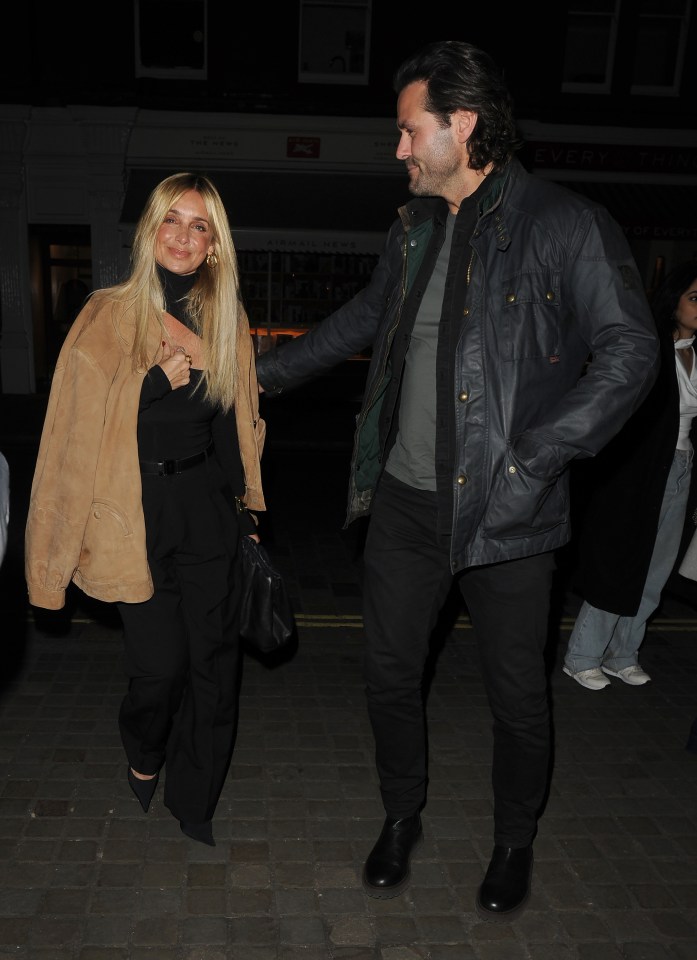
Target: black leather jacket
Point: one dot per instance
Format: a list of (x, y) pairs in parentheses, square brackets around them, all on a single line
[(551, 284)]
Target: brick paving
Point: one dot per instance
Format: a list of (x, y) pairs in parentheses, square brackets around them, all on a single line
[(85, 875)]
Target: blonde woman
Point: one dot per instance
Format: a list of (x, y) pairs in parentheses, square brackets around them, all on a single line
[(152, 441)]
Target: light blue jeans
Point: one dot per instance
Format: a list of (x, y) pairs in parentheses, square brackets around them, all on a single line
[(600, 637)]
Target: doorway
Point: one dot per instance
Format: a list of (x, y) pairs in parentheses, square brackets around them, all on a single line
[(61, 277)]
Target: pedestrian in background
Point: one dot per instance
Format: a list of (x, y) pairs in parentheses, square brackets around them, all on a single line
[(152, 430), (633, 524), (688, 566), (492, 290)]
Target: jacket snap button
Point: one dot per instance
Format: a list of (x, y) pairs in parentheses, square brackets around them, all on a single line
[(466, 312), (550, 295), (512, 470), (462, 480), (510, 298), (462, 396)]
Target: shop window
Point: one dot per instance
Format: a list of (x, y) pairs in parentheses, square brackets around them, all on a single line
[(61, 278), (285, 294), (334, 41)]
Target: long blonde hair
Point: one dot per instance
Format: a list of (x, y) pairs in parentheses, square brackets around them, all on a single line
[(213, 304)]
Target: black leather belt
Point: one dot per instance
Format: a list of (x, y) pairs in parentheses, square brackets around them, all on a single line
[(165, 468)]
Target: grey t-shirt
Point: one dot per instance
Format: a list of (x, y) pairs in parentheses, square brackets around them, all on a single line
[(412, 458)]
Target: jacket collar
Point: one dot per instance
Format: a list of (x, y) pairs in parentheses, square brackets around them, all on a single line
[(420, 209), (502, 184)]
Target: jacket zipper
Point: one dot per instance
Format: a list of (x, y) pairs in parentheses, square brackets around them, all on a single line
[(469, 269)]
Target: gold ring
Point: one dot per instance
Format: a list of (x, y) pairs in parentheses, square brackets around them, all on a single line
[(187, 356)]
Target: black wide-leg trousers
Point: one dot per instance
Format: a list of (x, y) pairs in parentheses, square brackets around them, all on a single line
[(407, 580), (182, 651)]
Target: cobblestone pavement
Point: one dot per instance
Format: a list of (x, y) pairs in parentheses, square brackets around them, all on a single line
[(85, 875)]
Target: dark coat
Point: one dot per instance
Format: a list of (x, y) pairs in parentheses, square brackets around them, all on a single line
[(551, 279), (624, 487)]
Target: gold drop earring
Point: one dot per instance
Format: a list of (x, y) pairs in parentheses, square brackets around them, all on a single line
[(212, 260)]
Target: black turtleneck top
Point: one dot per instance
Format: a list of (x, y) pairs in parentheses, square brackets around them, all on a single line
[(175, 288), (173, 424)]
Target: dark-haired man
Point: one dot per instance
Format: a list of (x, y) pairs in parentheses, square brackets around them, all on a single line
[(493, 290)]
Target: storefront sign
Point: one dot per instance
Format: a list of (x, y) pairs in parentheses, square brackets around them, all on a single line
[(612, 158), (303, 148)]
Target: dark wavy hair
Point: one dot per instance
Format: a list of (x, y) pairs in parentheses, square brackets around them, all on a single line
[(665, 299), (462, 77)]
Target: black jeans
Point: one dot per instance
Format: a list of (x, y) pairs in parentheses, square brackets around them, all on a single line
[(407, 580)]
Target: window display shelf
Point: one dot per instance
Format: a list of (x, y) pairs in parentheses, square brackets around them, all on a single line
[(299, 290)]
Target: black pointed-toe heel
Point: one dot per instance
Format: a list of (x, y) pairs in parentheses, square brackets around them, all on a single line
[(143, 789), (203, 832)]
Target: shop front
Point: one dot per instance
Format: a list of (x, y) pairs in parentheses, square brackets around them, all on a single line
[(310, 201)]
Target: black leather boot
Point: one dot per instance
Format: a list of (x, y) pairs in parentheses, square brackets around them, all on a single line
[(506, 886), (386, 871)]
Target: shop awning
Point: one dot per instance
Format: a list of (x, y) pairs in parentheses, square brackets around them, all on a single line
[(351, 212), (345, 212)]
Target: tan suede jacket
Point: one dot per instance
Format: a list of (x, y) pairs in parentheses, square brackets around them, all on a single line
[(85, 521)]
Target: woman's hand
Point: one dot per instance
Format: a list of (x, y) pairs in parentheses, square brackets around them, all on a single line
[(176, 363)]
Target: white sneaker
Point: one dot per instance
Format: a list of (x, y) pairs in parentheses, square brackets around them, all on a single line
[(633, 675), (592, 679)]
